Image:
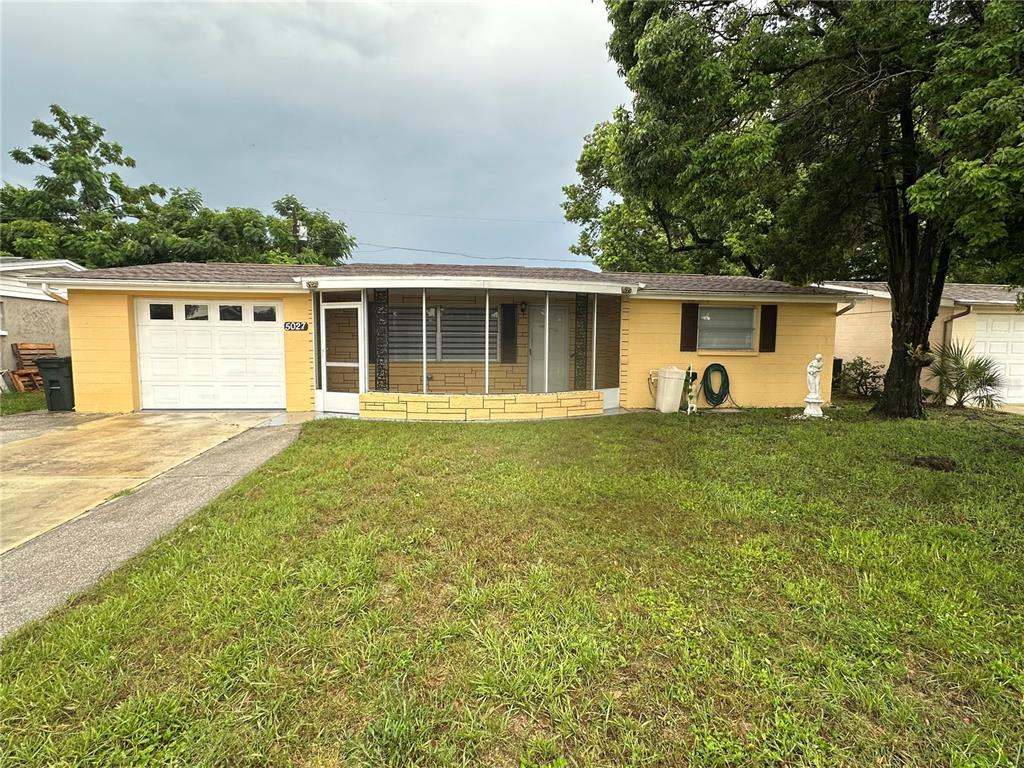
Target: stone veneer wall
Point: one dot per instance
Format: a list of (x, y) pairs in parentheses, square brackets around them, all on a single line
[(412, 407)]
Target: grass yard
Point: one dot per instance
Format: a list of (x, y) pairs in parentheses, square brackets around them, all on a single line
[(639, 590), (20, 402)]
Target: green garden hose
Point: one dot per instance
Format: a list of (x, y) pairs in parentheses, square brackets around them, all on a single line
[(715, 397)]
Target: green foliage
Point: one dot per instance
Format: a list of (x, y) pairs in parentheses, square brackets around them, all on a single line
[(747, 138), (964, 379), (808, 140), (81, 209), (861, 377)]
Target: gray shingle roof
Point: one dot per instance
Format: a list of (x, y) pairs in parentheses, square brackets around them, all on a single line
[(964, 293), (285, 274)]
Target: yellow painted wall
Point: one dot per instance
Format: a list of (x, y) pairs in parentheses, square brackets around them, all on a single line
[(401, 406), (104, 364), (865, 331), (650, 333), (105, 360), (298, 353)]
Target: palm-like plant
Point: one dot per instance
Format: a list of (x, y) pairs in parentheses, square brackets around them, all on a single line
[(964, 379)]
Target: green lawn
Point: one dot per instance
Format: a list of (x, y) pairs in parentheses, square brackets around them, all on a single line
[(20, 402), (638, 590)]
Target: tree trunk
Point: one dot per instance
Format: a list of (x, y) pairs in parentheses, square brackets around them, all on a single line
[(901, 395), (918, 258)]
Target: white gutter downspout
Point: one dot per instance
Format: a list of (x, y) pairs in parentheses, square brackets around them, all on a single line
[(45, 288), (487, 342), (547, 332), (948, 322)]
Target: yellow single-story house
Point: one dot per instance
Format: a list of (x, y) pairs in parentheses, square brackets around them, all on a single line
[(983, 316), (432, 341)]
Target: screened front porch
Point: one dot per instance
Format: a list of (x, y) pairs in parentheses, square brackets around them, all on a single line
[(439, 343)]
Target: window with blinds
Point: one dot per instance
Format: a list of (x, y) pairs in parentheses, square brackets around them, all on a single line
[(725, 327), (462, 333), (405, 333)]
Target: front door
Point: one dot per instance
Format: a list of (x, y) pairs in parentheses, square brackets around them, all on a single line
[(341, 341), (558, 349)]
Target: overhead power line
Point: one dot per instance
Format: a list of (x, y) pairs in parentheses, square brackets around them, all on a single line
[(453, 218), (381, 247)]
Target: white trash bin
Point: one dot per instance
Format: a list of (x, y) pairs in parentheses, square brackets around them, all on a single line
[(671, 382)]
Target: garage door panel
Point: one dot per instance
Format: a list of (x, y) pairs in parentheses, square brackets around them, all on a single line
[(194, 368), (230, 342), (264, 344), (236, 395), (162, 339), (1001, 337), (210, 363), (162, 367), (266, 391), (197, 340)]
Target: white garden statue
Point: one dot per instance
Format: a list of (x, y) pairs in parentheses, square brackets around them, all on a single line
[(813, 399)]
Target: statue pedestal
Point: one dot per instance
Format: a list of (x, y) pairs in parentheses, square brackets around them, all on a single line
[(813, 407)]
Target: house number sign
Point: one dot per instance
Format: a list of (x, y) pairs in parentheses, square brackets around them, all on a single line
[(296, 326)]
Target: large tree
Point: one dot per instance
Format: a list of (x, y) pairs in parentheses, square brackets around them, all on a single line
[(82, 209), (812, 139)]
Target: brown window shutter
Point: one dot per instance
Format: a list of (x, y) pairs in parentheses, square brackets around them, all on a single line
[(508, 343), (769, 320), (688, 332)]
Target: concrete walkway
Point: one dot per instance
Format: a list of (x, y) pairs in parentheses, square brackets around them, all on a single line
[(55, 475), (40, 575)]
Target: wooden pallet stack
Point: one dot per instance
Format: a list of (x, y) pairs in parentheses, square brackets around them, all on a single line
[(26, 376)]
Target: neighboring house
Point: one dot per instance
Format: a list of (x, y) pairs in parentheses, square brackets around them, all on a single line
[(350, 338), (31, 313), (983, 316)]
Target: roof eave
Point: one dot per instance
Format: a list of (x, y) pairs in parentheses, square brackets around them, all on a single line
[(32, 266), (95, 284), (356, 282), (764, 296), (985, 302)]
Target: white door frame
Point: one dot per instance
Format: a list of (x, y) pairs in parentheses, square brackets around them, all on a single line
[(342, 402), (538, 386)]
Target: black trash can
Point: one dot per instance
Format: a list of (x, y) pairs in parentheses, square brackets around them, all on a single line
[(56, 375)]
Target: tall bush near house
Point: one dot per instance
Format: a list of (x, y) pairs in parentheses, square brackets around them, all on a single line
[(861, 377), (965, 379)]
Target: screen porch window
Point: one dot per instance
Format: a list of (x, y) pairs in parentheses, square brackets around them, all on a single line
[(405, 332), (462, 336), (453, 333), (725, 328)]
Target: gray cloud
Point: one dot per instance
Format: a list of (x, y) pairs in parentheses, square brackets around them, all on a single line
[(464, 110)]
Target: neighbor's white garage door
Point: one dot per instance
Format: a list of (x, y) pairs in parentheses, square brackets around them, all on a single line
[(1001, 337), (203, 353)]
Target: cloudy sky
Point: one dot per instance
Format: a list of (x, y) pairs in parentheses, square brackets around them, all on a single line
[(427, 125)]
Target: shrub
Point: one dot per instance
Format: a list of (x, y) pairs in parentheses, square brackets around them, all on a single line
[(861, 377), (964, 378)]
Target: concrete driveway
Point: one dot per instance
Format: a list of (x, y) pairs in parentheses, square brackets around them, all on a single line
[(55, 470)]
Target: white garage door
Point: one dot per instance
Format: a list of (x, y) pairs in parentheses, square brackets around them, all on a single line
[(1001, 337), (202, 353)]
